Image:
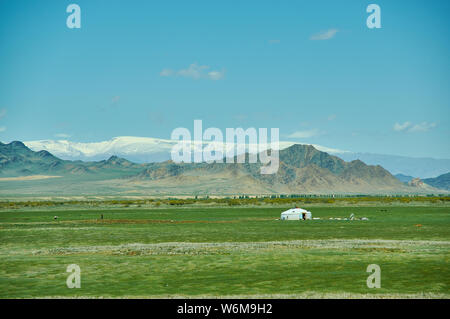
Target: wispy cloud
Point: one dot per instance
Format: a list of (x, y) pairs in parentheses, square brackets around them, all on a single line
[(2, 113), (422, 127), (324, 35), (62, 135), (305, 134), (2, 128), (401, 127), (195, 71), (166, 72), (410, 127), (215, 75)]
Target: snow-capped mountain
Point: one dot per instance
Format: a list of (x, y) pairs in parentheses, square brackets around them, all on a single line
[(137, 149), (148, 149)]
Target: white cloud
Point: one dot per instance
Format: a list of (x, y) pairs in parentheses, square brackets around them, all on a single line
[(62, 135), (401, 127), (305, 134), (215, 75), (2, 128), (325, 35), (166, 72), (195, 71), (422, 127), (410, 127)]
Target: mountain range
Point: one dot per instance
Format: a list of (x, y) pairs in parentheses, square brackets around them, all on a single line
[(303, 170), (422, 167), (441, 182), (137, 149), (146, 149)]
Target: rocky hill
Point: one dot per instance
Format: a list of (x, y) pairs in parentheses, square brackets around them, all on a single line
[(302, 169), (441, 182)]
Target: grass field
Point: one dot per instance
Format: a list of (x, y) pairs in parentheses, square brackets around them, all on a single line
[(218, 252)]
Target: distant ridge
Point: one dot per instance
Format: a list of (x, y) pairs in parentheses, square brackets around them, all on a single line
[(404, 178), (137, 149), (441, 182), (18, 160), (303, 169), (149, 149), (422, 167)]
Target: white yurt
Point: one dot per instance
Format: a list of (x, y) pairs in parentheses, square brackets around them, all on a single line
[(296, 214)]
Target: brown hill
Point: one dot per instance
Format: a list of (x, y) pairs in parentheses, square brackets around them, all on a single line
[(302, 169)]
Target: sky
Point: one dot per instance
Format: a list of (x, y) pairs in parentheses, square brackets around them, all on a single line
[(313, 69)]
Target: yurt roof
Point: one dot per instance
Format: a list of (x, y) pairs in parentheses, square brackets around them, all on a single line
[(295, 211)]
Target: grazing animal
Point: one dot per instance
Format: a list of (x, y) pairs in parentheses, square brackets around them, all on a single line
[(56, 217)]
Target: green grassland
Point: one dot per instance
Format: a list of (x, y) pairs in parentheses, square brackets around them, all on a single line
[(225, 251)]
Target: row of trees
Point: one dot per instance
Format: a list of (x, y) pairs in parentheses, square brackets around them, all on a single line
[(231, 201)]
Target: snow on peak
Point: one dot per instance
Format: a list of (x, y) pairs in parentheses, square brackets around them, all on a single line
[(140, 149)]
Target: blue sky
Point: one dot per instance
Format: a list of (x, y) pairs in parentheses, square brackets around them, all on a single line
[(311, 68)]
